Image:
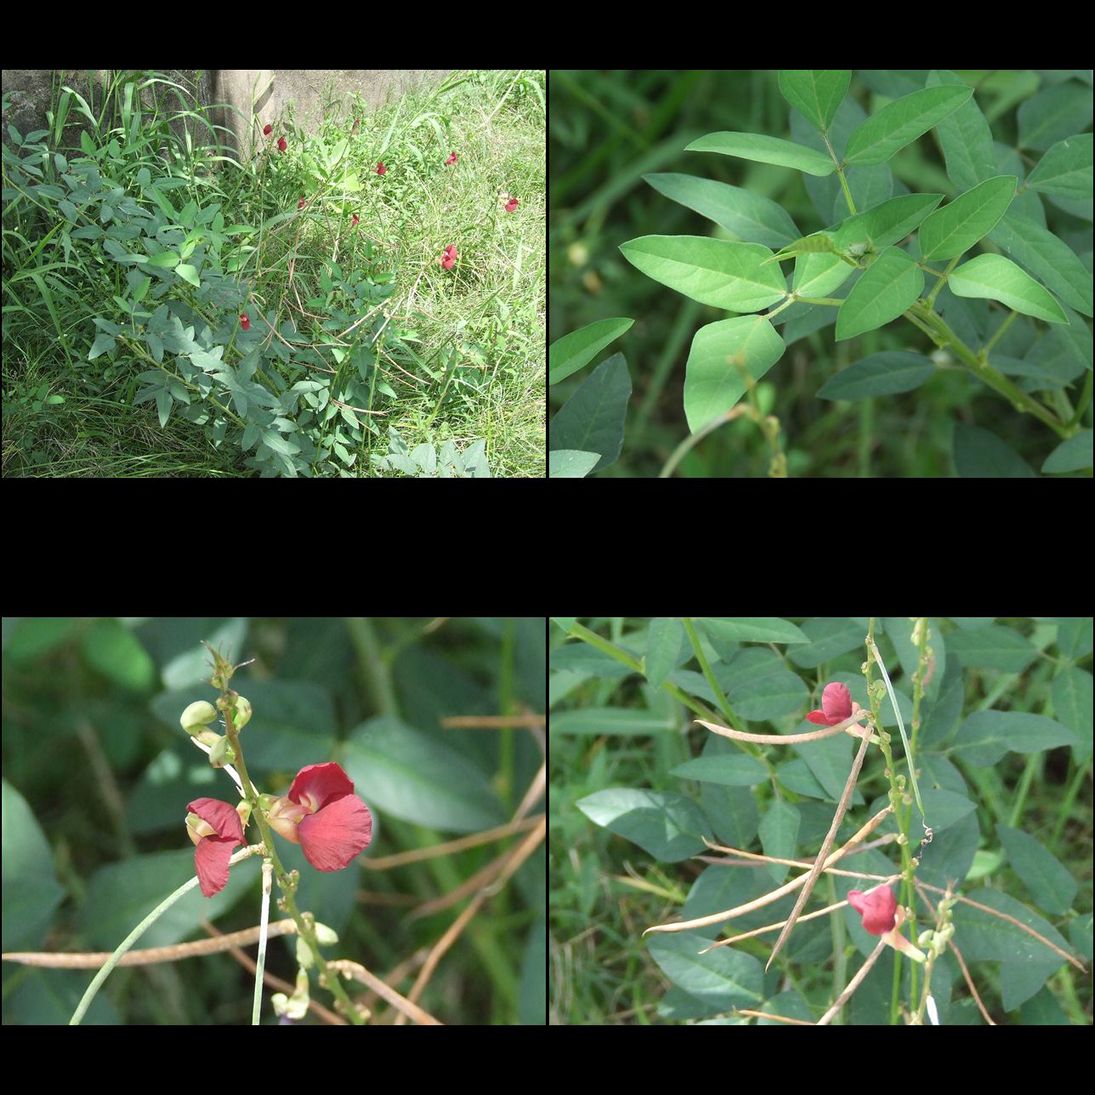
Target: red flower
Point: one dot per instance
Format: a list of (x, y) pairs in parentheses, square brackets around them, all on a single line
[(245, 323), (381, 169), (451, 160), (836, 705), (267, 130), (355, 222), (511, 205), (877, 907), (353, 129), (301, 204), (322, 814), (216, 830), (448, 259), (282, 146)]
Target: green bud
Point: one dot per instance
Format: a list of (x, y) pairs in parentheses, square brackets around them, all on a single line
[(222, 754), (924, 938), (325, 936), (305, 958), (243, 712), (197, 716)]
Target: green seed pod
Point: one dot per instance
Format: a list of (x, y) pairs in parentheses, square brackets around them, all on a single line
[(243, 712), (222, 754)]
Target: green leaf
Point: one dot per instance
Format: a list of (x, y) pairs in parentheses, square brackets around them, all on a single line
[(885, 373), (1065, 171), (979, 453), (816, 94), (1071, 455), (987, 735), (899, 123), (767, 629), (778, 831), (773, 150), (716, 272), (750, 217), (570, 353), (760, 686), (955, 228), (592, 420), (828, 638), (31, 892), (115, 652), (188, 273), (570, 463), (165, 259), (714, 382), (663, 644), (723, 979), (996, 278), (103, 344), (666, 825), (943, 808), (889, 286), (731, 771), (887, 223), (819, 275), (1048, 258), (1053, 114), (1049, 882), (120, 895), (418, 777), (1071, 694)]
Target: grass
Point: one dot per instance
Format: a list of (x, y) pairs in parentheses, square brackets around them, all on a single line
[(460, 357)]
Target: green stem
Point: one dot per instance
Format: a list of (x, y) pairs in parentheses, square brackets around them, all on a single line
[(127, 943), (374, 666)]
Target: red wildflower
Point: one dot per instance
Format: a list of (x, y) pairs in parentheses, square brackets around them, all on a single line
[(381, 169), (301, 204), (322, 814), (353, 128), (282, 146), (216, 830), (245, 322), (511, 205), (836, 705), (877, 907), (355, 222), (448, 259), (267, 130), (451, 160)]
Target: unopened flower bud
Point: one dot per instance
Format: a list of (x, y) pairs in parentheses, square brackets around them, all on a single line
[(222, 753), (244, 810), (208, 738), (197, 716), (326, 936), (243, 712)]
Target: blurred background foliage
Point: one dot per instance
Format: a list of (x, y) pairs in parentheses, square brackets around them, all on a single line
[(97, 775), (608, 129)]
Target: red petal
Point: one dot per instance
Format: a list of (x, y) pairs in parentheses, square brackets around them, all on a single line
[(819, 718), (221, 816), (334, 837), (877, 907), (211, 858), (836, 702), (320, 784)]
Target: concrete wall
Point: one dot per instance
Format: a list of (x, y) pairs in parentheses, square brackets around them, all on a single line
[(268, 91)]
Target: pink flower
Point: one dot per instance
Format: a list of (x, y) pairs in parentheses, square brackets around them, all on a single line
[(245, 322), (301, 204), (836, 705), (511, 205), (355, 221), (451, 160), (322, 814), (216, 830), (877, 907), (267, 130), (448, 259), (381, 169), (282, 146)]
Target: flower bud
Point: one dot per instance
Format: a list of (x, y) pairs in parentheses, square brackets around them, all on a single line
[(243, 712), (244, 810), (295, 1006), (222, 753), (925, 938), (208, 738), (326, 936), (198, 715)]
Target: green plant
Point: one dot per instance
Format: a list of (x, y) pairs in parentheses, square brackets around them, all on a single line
[(895, 224), (426, 461), (963, 782)]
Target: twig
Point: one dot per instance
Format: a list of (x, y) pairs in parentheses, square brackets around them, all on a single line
[(487, 836), (774, 1018), (853, 984), (848, 726), (404, 1006), (491, 722), (838, 817)]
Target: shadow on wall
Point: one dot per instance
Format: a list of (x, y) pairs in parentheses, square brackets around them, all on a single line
[(261, 94)]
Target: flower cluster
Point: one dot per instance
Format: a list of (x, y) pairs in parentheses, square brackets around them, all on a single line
[(320, 812)]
